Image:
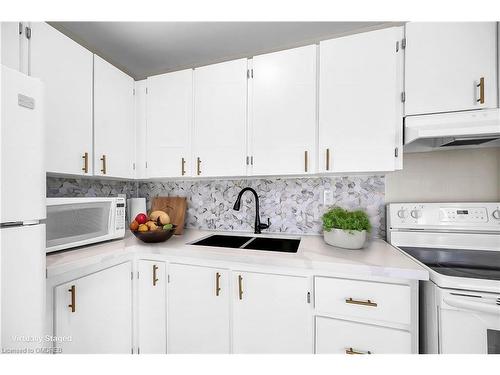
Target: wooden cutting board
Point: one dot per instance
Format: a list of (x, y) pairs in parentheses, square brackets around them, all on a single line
[(175, 207)]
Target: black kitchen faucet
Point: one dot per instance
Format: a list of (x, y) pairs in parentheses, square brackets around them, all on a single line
[(258, 225)]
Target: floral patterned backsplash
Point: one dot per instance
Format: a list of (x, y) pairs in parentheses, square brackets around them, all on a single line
[(293, 205)]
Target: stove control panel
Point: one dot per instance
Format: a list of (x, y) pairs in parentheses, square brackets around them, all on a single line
[(474, 216)]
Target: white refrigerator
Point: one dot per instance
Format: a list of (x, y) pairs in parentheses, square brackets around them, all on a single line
[(22, 211)]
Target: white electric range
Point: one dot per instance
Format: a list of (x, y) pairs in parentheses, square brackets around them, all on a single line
[(459, 244)]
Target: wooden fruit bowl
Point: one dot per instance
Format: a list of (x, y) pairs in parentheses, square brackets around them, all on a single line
[(154, 236)]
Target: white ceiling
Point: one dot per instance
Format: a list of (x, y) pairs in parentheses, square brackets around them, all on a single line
[(142, 49)]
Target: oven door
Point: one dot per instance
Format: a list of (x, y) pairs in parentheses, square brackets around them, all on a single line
[(77, 224), (469, 323)]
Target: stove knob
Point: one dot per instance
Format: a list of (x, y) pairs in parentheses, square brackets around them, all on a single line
[(496, 214), (402, 213), (415, 214)]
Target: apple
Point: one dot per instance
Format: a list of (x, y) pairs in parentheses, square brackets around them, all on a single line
[(141, 218)]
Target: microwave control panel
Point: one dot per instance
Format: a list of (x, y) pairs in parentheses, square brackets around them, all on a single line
[(120, 216)]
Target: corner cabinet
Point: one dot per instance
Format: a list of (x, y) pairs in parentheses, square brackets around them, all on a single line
[(198, 310), (169, 123), (65, 68), (220, 119), (450, 66), (271, 313), (152, 307), (114, 131), (283, 112), (360, 108), (94, 313)]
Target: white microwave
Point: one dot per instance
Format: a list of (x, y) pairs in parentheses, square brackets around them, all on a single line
[(73, 222)]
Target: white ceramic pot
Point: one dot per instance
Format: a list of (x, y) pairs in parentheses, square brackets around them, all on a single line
[(343, 238)]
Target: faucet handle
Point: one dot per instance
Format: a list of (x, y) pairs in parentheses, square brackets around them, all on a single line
[(265, 226)]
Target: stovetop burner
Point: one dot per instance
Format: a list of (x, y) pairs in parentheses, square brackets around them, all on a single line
[(476, 264)]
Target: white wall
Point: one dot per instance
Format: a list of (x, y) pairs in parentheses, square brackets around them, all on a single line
[(445, 176)]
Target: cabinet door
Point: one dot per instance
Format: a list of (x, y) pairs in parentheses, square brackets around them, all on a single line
[(271, 314), (198, 309), (283, 125), (14, 46), (152, 306), (444, 64), (140, 128), (169, 119), (113, 121), (96, 312), (65, 68), (220, 118), (360, 109)]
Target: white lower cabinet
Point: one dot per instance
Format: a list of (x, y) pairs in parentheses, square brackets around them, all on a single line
[(198, 309), (95, 312), (341, 336), (271, 314), (152, 307)]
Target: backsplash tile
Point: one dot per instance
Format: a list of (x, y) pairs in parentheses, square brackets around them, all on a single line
[(294, 205), (88, 187)]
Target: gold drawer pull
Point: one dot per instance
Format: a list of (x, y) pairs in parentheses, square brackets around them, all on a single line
[(103, 159), (217, 284), (155, 279), (72, 290), (183, 167), (240, 286), (363, 303), (305, 161), (481, 91), (352, 351), (85, 158)]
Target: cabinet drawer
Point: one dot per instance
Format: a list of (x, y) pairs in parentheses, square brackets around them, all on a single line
[(340, 336), (363, 299)]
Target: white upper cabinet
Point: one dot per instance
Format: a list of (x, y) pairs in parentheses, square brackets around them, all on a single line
[(114, 138), (140, 128), (65, 68), (283, 112), (220, 119), (14, 46), (198, 310), (271, 314), (446, 65), (360, 109), (169, 123)]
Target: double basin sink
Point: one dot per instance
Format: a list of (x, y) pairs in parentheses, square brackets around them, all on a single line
[(284, 245)]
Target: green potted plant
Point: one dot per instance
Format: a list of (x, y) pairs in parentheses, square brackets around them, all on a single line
[(347, 229)]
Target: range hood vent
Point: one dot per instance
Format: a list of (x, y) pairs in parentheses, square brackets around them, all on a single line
[(467, 129)]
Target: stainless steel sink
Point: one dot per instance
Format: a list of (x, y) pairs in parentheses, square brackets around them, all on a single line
[(285, 245)]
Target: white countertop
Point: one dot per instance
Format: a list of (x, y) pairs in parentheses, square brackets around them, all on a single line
[(378, 258)]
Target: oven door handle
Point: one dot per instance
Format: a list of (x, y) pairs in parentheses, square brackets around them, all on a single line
[(474, 306)]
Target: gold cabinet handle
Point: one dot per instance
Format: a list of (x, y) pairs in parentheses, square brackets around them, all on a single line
[(240, 286), (352, 351), (305, 161), (155, 279), (183, 166), (217, 284), (481, 91), (85, 158), (327, 159), (363, 303), (72, 290), (103, 159), (198, 166)]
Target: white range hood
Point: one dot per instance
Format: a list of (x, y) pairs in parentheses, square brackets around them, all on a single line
[(467, 129)]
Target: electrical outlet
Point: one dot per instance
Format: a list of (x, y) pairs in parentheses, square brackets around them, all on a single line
[(327, 197)]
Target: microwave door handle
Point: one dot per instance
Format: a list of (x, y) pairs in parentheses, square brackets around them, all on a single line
[(472, 306)]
